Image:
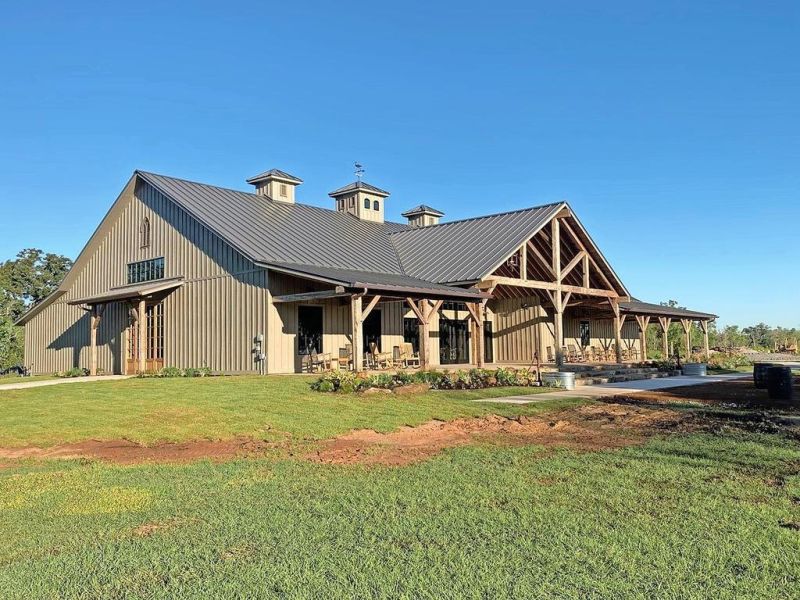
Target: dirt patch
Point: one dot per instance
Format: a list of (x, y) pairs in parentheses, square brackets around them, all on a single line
[(127, 452), (590, 427)]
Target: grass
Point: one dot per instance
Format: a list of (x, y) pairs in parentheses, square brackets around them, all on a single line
[(151, 410), (4, 379), (684, 516)]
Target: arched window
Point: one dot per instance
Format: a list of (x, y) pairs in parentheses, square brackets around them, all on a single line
[(366, 203), (144, 233), (375, 205)]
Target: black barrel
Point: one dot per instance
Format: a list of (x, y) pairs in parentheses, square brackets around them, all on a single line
[(779, 383), (760, 375)]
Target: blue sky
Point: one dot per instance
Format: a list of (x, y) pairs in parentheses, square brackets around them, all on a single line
[(672, 128)]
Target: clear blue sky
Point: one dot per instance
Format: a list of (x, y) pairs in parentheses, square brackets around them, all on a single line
[(673, 128)]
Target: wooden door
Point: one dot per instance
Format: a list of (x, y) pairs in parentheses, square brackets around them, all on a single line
[(154, 349)]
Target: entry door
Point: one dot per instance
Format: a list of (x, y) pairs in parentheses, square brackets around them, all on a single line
[(453, 341), (372, 330), (154, 351)]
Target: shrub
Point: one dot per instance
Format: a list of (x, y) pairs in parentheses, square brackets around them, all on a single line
[(171, 372), (347, 382), (197, 372), (721, 360), (73, 372)]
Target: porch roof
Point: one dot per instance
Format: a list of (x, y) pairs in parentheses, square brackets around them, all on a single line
[(136, 290), (385, 283), (634, 306)]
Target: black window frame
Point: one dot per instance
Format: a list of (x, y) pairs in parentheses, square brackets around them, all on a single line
[(142, 271), (366, 203), (376, 205)]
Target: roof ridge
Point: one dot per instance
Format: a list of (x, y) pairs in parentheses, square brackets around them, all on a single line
[(263, 196), (500, 214)]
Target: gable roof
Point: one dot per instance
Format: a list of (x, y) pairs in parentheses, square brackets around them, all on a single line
[(358, 185), (275, 174), (465, 251), (422, 209)]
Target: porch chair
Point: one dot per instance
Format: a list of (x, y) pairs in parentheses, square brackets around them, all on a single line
[(380, 360), (575, 353), (318, 361), (345, 357), (550, 356), (410, 358), (565, 353)]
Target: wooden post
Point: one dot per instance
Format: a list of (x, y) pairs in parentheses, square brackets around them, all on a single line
[(476, 314), (142, 323), (665, 322), (687, 330), (558, 304), (704, 327), (424, 335), (355, 319), (93, 341), (619, 320), (523, 261), (643, 323), (586, 269)]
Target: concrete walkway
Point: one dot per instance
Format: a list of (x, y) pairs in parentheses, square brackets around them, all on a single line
[(59, 381), (617, 389)]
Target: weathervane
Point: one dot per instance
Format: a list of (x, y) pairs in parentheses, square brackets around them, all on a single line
[(359, 170)]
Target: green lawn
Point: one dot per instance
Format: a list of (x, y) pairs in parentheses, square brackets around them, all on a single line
[(684, 516), (150, 410), (4, 379)]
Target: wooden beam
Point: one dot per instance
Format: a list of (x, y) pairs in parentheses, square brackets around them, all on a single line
[(643, 322), (415, 309), (355, 328), (558, 328), (555, 246), (546, 263), (704, 327), (523, 262), (496, 280), (142, 323), (573, 263), (581, 245), (424, 335), (370, 306), (437, 304), (687, 330), (93, 323), (618, 321), (585, 267), (337, 292)]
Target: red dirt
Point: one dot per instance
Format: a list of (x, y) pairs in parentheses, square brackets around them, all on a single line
[(592, 427), (127, 452)]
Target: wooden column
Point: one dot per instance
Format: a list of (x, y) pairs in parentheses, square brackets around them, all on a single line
[(687, 331), (558, 305), (356, 320), (665, 323), (643, 323), (619, 321), (523, 261), (476, 314), (704, 327), (94, 324), (142, 323)]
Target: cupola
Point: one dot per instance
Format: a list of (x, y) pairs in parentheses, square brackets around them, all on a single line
[(422, 216), (361, 199), (276, 184)]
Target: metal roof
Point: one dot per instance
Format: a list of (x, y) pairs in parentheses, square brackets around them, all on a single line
[(267, 231), (422, 209), (390, 283), (461, 251), (274, 174), (647, 308), (136, 290), (358, 185)]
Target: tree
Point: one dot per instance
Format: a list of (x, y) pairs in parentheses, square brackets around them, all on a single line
[(25, 280)]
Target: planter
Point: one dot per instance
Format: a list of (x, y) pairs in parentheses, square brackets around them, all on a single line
[(695, 369), (560, 379)]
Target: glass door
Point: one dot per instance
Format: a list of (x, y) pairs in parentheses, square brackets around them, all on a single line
[(453, 341)]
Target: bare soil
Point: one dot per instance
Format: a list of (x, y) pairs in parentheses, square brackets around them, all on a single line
[(127, 452), (588, 428)]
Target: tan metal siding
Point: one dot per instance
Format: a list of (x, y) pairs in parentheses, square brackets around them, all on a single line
[(210, 321)]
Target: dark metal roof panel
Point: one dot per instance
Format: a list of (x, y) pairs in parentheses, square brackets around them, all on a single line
[(266, 230), (276, 173), (358, 185), (470, 249), (647, 308), (422, 209), (135, 290), (377, 281)]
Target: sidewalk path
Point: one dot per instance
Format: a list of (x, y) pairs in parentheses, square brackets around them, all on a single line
[(616, 389), (32, 384)]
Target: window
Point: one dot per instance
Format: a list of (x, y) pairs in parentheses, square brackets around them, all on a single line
[(309, 329), (454, 306), (375, 205), (146, 270), (144, 233), (366, 203), (283, 190)]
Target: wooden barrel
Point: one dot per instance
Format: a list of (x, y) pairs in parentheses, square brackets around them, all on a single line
[(779, 383), (760, 374)]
